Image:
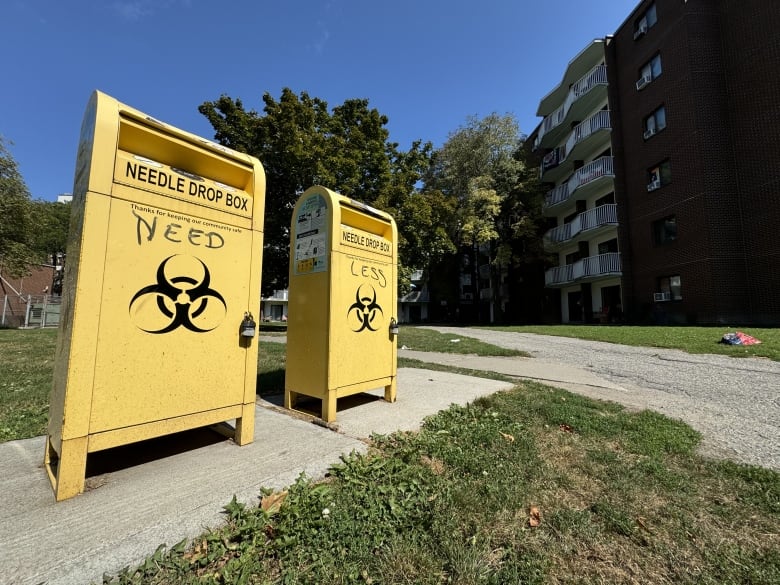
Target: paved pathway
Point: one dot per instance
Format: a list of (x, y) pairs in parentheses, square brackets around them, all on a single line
[(734, 403)]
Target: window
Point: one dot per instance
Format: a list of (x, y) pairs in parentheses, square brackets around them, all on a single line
[(649, 71), (670, 287), (665, 230), (655, 122), (645, 22), (606, 200), (608, 247), (659, 175)]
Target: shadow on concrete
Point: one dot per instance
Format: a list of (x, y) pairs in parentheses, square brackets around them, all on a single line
[(134, 454)]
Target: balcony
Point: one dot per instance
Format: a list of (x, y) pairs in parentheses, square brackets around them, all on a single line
[(594, 221), (278, 295), (583, 180), (580, 99), (585, 270), (552, 164)]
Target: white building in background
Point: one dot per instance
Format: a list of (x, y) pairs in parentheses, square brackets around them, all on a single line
[(412, 307), (575, 139), (274, 308)]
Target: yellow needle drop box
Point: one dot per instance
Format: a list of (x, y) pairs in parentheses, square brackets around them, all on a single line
[(341, 327), (161, 280)]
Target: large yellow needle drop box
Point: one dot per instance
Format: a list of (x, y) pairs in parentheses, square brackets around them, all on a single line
[(341, 328), (162, 275)]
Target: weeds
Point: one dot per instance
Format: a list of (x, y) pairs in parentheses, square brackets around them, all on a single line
[(621, 498)]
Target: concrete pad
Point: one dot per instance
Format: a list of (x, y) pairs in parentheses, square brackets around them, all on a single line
[(136, 501), (132, 510), (421, 393)]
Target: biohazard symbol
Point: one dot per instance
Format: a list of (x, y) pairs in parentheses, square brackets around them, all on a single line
[(180, 301), (365, 310)]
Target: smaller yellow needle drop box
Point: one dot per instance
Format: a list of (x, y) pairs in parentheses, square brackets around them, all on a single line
[(342, 298), (162, 275)]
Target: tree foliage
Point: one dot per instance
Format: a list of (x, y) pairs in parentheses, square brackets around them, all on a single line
[(16, 225), (301, 143), (52, 222), (483, 167), (475, 189), (30, 231)]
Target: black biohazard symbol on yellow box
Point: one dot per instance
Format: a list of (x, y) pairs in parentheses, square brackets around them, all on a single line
[(365, 310), (181, 297)]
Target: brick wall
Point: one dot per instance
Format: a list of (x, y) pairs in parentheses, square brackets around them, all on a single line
[(725, 201), (37, 283)]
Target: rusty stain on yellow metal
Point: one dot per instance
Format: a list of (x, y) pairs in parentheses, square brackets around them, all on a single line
[(342, 300), (164, 261)]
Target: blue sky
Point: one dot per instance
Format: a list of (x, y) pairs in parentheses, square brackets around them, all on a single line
[(426, 64)]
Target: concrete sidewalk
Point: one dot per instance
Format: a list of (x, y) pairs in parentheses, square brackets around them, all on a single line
[(549, 372), (135, 502)]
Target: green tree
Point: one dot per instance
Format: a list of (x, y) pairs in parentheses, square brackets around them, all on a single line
[(52, 221), (301, 143), (484, 168), (16, 251), (467, 167)]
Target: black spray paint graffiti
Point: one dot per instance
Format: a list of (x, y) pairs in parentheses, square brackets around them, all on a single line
[(365, 309), (182, 299)]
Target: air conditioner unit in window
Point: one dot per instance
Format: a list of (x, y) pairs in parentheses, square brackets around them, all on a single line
[(643, 81), (649, 132), (662, 296), (468, 296), (654, 184), (641, 29)]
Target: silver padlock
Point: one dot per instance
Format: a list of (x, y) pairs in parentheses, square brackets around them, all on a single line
[(248, 326)]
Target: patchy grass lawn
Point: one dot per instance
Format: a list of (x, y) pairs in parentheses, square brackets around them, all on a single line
[(26, 367), (535, 485), (421, 339), (690, 339)]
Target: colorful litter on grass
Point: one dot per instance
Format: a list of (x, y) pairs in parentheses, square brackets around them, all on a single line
[(738, 338)]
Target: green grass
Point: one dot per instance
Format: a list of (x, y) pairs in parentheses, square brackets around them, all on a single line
[(26, 367), (690, 339), (621, 497), (271, 365), (421, 339), (404, 362)]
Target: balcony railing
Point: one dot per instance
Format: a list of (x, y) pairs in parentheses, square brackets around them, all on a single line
[(601, 167), (278, 295), (598, 121), (593, 218), (559, 275), (584, 269), (594, 77)]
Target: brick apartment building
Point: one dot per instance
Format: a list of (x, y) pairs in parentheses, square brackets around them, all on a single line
[(661, 146)]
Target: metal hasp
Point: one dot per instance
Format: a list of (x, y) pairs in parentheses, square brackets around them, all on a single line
[(164, 260), (342, 300)]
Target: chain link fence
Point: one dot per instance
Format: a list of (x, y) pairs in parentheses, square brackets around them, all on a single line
[(30, 311)]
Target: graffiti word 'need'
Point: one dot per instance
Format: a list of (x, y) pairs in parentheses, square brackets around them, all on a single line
[(365, 241), (185, 184), (146, 229)]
